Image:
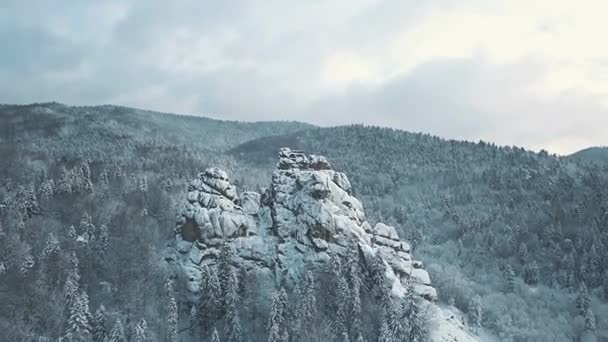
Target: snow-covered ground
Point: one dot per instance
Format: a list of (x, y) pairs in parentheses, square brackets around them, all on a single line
[(450, 325)]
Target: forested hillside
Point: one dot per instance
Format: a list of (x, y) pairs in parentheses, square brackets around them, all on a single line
[(88, 196), (527, 232)]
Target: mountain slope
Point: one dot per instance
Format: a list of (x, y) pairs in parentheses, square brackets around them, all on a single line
[(597, 155), (473, 211), (502, 231)]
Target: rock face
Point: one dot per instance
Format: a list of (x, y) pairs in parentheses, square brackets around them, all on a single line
[(307, 215)]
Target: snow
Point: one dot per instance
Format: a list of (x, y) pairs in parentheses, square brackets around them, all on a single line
[(449, 325)]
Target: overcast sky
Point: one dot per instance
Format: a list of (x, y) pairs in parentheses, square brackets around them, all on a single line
[(532, 73)]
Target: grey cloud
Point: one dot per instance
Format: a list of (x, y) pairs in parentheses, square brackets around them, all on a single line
[(262, 61), (469, 99)]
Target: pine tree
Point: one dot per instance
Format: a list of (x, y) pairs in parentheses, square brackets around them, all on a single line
[(102, 240), (210, 301), (309, 301), (71, 286), (378, 279), (277, 329), (341, 300), (583, 300), (225, 273), (104, 178), (605, 286), (523, 254), (589, 321), (118, 332), (474, 313), (414, 319), (141, 331), (86, 227), (46, 190), (166, 185), (172, 319), (215, 337), (232, 322), (393, 314), (65, 185), (592, 269), (566, 275), (72, 232), (509, 275), (384, 334), (100, 319), (531, 273), (50, 263), (27, 259), (78, 326), (143, 183), (355, 282)]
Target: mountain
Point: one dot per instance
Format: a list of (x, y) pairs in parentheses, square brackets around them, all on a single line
[(598, 155), (513, 241)]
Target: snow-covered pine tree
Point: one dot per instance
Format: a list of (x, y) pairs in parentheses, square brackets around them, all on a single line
[(143, 183), (605, 286), (65, 185), (86, 227), (102, 240), (355, 283), (225, 273), (104, 178), (531, 273), (215, 337), (46, 190), (232, 322), (78, 325), (71, 285), (277, 329), (414, 319), (50, 262), (309, 301), (141, 331), (341, 301), (393, 316), (384, 335), (583, 300), (98, 326), (172, 319), (591, 268), (210, 303), (590, 324), (72, 234), (474, 313), (166, 185), (509, 276), (118, 332), (523, 254), (27, 259), (378, 279), (295, 311)]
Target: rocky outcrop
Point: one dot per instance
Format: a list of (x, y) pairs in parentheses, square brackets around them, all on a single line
[(307, 215)]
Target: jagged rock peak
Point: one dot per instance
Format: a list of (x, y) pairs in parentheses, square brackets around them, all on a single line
[(304, 219)]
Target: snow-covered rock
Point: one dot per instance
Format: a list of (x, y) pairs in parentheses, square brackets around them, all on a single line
[(307, 215)]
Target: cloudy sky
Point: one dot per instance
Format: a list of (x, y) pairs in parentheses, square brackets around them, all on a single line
[(532, 73)]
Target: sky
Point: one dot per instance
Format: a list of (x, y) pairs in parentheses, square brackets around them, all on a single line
[(531, 73)]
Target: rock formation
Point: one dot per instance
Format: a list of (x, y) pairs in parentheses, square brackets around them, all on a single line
[(307, 215)]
